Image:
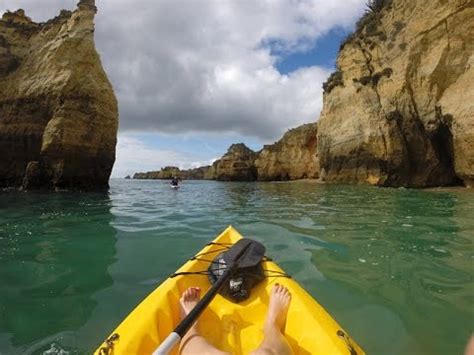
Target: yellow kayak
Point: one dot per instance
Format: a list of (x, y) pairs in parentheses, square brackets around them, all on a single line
[(229, 326)]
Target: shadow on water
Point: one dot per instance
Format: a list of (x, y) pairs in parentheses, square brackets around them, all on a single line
[(55, 250)]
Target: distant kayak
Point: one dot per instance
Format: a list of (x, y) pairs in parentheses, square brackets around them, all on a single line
[(309, 328), (175, 187)]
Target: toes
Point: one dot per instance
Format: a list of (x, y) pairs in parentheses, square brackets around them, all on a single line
[(191, 294), (281, 291), (196, 291), (277, 288), (186, 294)]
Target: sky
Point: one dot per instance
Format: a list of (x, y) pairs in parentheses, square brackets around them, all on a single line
[(194, 76)]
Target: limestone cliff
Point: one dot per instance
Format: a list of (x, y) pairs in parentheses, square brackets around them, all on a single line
[(399, 111), (167, 173), (202, 173), (292, 157), (58, 112), (238, 164)]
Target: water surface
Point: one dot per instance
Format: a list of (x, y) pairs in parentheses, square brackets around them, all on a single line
[(393, 266)]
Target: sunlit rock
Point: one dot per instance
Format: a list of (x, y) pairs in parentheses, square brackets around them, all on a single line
[(58, 111), (399, 110)]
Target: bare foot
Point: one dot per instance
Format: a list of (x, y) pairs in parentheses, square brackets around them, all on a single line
[(280, 299), (470, 346), (192, 342), (189, 299)]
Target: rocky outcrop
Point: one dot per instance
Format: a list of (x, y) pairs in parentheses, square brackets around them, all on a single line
[(58, 112), (292, 157), (399, 111), (202, 173), (168, 172), (238, 164)]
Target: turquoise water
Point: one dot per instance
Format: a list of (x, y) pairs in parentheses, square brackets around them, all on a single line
[(393, 266)]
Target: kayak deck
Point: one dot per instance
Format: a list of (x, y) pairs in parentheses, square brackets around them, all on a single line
[(232, 327)]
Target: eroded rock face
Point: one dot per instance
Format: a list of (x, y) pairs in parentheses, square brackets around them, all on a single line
[(292, 157), (202, 173), (58, 112), (168, 172), (238, 164), (400, 109)]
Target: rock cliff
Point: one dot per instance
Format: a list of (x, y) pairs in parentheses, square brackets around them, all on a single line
[(238, 164), (292, 157), (166, 173), (399, 111), (201, 173), (58, 112)]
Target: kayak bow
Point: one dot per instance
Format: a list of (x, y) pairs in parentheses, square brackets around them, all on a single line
[(309, 328)]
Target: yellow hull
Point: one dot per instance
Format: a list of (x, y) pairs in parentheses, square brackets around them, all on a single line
[(231, 327)]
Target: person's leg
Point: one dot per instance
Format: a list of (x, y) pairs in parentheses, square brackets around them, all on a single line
[(470, 346), (274, 342), (193, 343)]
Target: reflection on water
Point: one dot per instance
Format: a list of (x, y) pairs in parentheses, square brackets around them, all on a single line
[(393, 266), (414, 262), (54, 253)]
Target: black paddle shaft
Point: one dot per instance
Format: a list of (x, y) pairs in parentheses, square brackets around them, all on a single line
[(188, 321)]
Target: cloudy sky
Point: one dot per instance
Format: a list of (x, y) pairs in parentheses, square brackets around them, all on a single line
[(194, 76)]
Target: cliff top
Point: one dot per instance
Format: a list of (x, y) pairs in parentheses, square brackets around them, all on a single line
[(239, 148), (368, 23), (19, 18), (308, 128)]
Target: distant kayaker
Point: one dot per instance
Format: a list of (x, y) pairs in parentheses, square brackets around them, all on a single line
[(273, 342), (174, 181)]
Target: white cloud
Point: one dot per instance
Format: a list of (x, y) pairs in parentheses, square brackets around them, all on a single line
[(181, 66)]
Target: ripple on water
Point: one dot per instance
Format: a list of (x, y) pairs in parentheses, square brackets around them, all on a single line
[(386, 263)]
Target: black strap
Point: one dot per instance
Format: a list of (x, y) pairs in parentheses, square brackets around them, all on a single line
[(271, 273)]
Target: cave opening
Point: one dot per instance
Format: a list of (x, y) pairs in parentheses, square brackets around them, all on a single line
[(442, 141)]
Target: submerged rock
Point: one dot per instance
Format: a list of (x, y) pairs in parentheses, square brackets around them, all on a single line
[(58, 112), (399, 111)]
